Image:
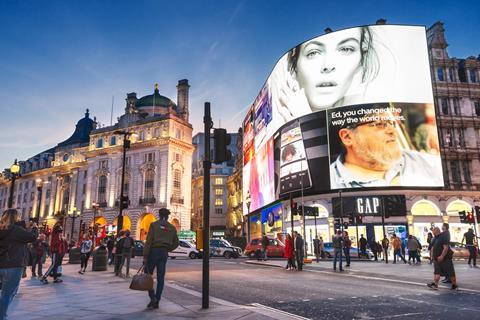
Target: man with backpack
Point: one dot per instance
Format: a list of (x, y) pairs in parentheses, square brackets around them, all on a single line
[(338, 243), (127, 248)]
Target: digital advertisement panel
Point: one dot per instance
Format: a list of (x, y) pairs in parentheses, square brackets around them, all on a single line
[(348, 109)]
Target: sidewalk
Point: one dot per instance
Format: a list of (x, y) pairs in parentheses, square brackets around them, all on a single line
[(101, 295), (467, 277)]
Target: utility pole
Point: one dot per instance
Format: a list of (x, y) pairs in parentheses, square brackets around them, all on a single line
[(207, 120)]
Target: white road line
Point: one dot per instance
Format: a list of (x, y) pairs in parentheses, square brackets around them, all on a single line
[(284, 313)]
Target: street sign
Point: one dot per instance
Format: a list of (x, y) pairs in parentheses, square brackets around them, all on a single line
[(308, 211)]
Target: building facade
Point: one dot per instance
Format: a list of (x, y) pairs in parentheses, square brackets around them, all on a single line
[(456, 89), (82, 175)]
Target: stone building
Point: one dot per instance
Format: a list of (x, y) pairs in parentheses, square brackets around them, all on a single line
[(82, 175)]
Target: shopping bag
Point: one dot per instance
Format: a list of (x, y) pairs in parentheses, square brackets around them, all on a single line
[(142, 281)]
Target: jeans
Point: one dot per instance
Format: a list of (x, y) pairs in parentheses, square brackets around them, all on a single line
[(84, 260), (337, 252), (412, 255), (299, 258), (56, 262), (399, 253), (110, 257), (346, 252), (10, 278), (157, 259), (37, 261), (473, 254), (126, 255)]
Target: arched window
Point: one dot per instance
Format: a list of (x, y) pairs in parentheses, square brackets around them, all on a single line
[(425, 208), (149, 184), (102, 189), (100, 143), (113, 141)]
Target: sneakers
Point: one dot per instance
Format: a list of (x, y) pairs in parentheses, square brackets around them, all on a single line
[(454, 287), (432, 285), (58, 280), (81, 272), (446, 280), (153, 304)]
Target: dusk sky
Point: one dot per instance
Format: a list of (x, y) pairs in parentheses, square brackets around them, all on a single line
[(60, 57)]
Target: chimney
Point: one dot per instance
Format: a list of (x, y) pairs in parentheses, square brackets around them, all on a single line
[(182, 98)]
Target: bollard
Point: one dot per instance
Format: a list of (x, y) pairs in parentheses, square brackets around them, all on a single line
[(74, 256), (99, 262)]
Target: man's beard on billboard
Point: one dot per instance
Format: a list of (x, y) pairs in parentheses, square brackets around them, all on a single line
[(380, 157)]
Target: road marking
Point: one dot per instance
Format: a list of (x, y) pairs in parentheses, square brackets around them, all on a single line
[(401, 315), (294, 316), (437, 304)]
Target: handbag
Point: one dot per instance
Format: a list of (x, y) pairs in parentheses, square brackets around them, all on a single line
[(142, 281)]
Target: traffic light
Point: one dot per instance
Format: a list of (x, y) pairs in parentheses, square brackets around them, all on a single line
[(359, 219), (463, 216), (351, 219), (221, 142), (345, 225), (470, 218), (337, 224), (124, 202)]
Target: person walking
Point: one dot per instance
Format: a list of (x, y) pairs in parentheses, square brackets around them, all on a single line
[(385, 246), (347, 246), (338, 242), (430, 244), (397, 249), (56, 254), (13, 247), (118, 252), (288, 253), (85, 252), (471, 243), (38, 250), (265, 243), (442, 260), (412, 247), (316, 248), (322, 248), (363, 245), (161, 238), (419, 250), (110, 246), (127, 249), (299, 250)]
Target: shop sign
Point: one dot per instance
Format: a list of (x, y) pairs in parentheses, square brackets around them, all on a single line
[(368, 206)]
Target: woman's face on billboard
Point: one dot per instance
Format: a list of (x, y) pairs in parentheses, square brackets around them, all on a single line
[(326, 67)]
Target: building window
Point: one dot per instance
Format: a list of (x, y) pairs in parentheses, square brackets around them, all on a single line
[(32, 196), (156, 132), (149, 184), (178, 157), (219, 202), (177, 179), (65, 199), (476, 104), (149, 157), (460, 138), (141, 136), (113, 141), (47, 194), (126, 184), (440, 76), (473, 76), (25, 198), (454, 167), (444, 105), (85, 173), (103, 164), (218, 181), (99, 143), (451, 74), (218, 191), (456, 107), (102, 189), (178, 134), (466, 172), (219, 210)]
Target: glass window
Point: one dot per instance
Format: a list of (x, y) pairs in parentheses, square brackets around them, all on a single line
[(156, 132), (149, 183), (218, 181), (113, 141), (141, 136), (149, 157), (451, 74), (477, 107), (456, 107), (219, 202), (218, 191), (100, 143), (440, 74), (473, 76), (219, 210), (466, 172), (454, 167), (444, 105), (102, 189)]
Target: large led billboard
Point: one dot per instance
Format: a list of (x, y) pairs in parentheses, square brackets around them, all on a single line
[(348, 109)]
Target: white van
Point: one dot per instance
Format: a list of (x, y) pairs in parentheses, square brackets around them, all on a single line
[(184, 249)]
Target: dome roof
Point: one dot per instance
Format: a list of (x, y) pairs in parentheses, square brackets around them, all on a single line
[(155, 99), (82, 132)]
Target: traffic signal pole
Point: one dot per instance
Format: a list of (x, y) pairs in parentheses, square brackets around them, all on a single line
[(207, 120)]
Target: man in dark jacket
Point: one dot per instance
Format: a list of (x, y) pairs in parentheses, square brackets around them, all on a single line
[(265, 243), (363, 245), (13, 248), (299, 250), (161, 239)]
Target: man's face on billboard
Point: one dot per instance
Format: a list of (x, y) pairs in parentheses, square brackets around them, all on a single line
[(326, 66), (372, 145)]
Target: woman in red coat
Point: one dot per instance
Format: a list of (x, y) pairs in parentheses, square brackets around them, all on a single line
[(288, 253)]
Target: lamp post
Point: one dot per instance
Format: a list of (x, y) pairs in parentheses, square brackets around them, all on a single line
[(74, 216), (123, 199), (95, 207), (14, 170)]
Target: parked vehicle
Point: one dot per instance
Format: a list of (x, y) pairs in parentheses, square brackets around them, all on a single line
[(275, 248), (223, 248), (459, 251), (185, 249), (353, 251)]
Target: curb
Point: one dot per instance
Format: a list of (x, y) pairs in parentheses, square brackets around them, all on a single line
[(263, 264)]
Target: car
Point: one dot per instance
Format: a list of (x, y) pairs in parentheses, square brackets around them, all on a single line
[(459, 251), (353, 251), (185, 249), (138, 248), (223, 248), (275, 248)]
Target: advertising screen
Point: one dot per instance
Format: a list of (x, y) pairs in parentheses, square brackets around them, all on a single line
[(348, 109)]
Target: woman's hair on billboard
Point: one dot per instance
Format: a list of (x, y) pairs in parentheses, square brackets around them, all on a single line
[(288, 153), (369, 58)]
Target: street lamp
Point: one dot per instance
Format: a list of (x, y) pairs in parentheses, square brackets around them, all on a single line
[(14, 172), (95, 207), (74, 216), (40, 184), (123, 199)]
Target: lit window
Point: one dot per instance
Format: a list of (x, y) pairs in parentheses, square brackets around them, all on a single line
[(149, 157), (149, 183), (219, 202), (102, 189), (218, 181), (141, 136), (218, 191)]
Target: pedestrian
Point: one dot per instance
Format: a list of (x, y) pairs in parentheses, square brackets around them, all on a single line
[(56, 249), (85, 252), (299, 250), (127, 249), (430, 244), (288, 253), (363, 246), (13, 248), (373, 247), (161, 238), (385, 246), (265, 243), (471, 243), (412, 247), (338, 242), (322, 248), (419, 250), (347, 246), (316, 248), (397, 249), (118, 252), (38, 250), (110, 246), (442, 260), (446, 236)]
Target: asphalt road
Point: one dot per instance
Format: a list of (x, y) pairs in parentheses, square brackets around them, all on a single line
[(321, 294)]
